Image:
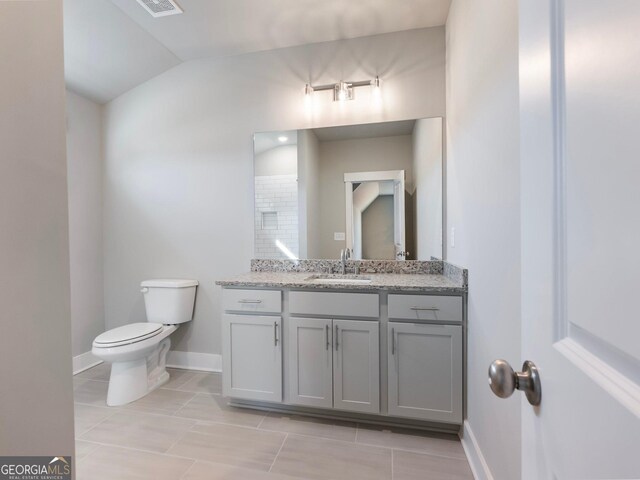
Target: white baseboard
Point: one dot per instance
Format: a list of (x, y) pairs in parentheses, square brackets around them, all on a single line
[(478, 464), (208, 362), (84, 361)]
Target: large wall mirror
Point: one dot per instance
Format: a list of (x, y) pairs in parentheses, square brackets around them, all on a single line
[(375, 188)]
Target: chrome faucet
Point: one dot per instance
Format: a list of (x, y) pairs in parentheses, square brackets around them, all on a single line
[(345, 255)]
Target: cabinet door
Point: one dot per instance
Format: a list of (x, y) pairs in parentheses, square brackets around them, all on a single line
[(356, 366), (252, 356), (425, 371), (309, 357)]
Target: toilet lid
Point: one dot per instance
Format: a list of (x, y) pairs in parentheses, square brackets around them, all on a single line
[(134, 332)]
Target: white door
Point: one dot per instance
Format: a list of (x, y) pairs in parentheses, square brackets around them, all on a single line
[(580, 179), (399, 219), (356, 366), (252, 357), (425, 371), (310, 358)]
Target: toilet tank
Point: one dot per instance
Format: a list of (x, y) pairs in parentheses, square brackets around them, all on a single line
[(169, 301)]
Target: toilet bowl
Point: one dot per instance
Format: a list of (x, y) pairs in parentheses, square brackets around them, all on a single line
[(138, 351)]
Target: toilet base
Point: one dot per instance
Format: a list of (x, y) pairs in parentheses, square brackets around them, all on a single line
[(133, 379)]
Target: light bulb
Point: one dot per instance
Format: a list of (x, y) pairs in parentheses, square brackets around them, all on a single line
[(308, 90), (341, 92), (282, 139), (375, 84)]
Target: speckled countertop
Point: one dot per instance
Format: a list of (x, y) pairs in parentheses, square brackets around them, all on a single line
[(379, 281)]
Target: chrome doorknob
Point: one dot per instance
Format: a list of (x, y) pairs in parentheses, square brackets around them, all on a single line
[(503, 380)]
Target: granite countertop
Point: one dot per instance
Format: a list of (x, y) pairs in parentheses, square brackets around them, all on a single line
[(379, 281)]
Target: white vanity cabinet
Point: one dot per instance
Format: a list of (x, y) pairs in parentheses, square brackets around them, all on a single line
[(425, 371), (252, 345)]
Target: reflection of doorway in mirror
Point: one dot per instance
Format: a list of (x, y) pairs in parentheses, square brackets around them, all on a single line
[(375, 214)]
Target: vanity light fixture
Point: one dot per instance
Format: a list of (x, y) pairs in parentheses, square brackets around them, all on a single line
[(343, 91)]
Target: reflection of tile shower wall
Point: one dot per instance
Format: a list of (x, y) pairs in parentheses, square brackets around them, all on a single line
[(276, 216)]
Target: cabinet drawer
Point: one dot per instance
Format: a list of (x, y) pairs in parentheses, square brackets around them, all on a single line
[(425, 307), (252, 301), (334, 304)]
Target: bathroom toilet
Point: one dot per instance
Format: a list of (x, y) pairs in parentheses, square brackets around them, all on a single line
[(138, 351)]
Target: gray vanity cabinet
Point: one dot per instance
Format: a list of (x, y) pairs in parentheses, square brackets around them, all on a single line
[(252, 357), (310, 361), (356, 366), (329, 354), (334, 364), (425, 371)]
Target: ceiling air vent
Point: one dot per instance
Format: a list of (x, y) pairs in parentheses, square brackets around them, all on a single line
[(160, 8)]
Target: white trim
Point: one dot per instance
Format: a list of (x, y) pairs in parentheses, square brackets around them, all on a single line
[(476, 460), (377, 176), (207, 362), (620, 387), (84, 361)]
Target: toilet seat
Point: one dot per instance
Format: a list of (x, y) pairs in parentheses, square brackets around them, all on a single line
[(127, 334)]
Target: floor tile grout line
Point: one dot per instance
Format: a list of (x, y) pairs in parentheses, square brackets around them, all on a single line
[(173, 414), (175, 389), (95, 425), (261, 422), (124, 409), (140, 450), (279, 450), (392, 474), (178, 440), (312, 435), (188, 470), (429, 454), (226, 424)]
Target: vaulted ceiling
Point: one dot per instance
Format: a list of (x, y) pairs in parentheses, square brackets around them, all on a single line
[(113, 45)]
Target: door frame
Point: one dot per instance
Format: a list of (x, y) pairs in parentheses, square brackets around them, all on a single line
[(399, 221)]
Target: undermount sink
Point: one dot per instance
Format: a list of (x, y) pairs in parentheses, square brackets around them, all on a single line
[(342, 279)]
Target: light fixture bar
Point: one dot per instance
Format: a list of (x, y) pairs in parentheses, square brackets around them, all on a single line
[(342, 90)]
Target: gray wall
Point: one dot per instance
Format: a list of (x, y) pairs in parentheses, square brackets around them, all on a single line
[(308, 194), (483, 193), (377, 229), (36, 398), (356, 155), (277, 161), (427, 188), (178, 197), (84, 169)]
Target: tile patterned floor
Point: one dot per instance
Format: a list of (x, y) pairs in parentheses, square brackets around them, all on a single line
[(186, 431)]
